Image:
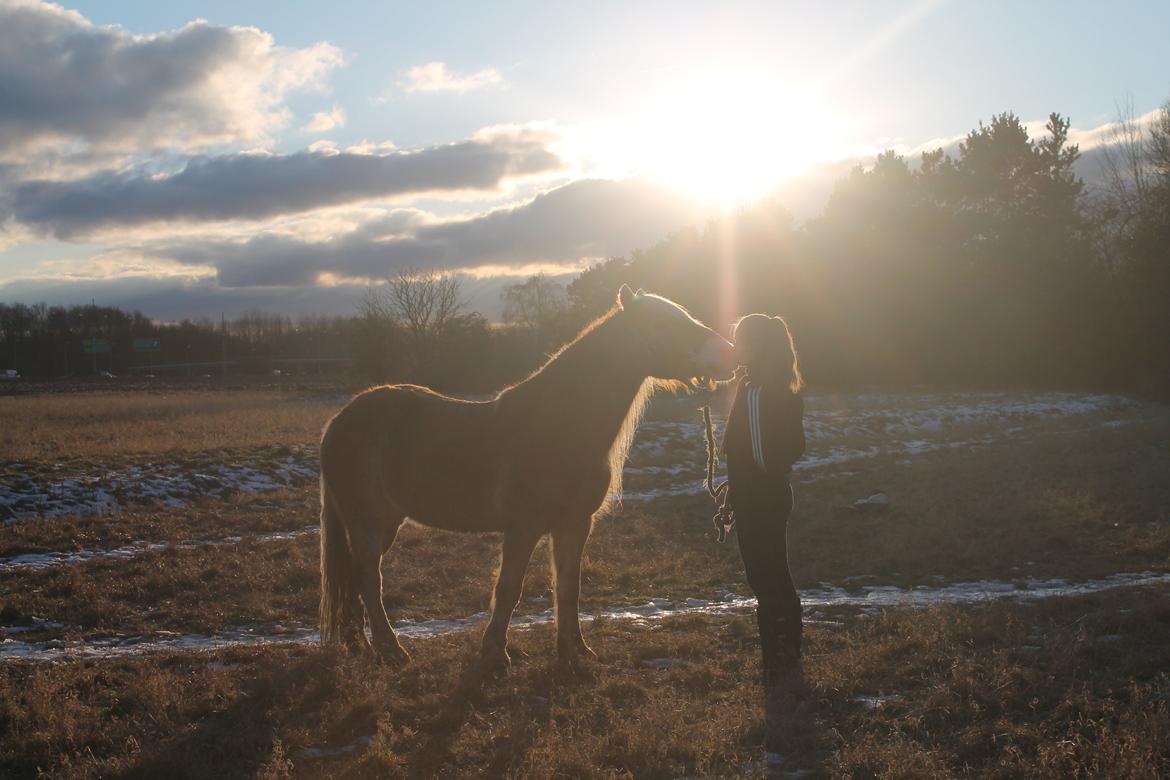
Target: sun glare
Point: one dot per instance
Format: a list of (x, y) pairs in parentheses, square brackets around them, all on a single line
[(729, 136)]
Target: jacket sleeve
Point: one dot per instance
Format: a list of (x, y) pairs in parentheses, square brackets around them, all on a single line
[(731, 414), (783, 437)]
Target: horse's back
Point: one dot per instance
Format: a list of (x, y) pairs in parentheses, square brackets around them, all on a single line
[(431, 457)]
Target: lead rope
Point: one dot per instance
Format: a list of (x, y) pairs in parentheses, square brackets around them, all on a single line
[(724, 517)]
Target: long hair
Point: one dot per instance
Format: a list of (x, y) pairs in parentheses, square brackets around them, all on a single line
[(768, 350)]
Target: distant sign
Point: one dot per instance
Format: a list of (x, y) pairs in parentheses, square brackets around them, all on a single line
[(147, 345), (95, 346)]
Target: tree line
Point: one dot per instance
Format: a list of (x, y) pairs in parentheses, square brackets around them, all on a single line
[(57, 341), (990, 266), (993, 266)]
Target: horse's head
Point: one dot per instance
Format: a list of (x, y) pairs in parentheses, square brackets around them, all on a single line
[(674, 344)]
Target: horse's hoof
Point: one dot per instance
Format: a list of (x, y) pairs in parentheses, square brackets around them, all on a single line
[(494, 659), (392, 655), (356, 643), (575, 652)]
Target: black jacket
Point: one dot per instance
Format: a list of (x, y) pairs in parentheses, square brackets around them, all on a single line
[(764, 437)]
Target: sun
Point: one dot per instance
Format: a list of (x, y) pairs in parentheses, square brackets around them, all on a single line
[(729, 136)]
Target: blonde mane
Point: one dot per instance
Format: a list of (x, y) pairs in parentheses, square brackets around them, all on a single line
[(619, 453)]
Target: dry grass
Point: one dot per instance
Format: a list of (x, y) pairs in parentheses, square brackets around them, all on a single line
[(101, 427), (1064, 688), (206, 519), (1041, 509)]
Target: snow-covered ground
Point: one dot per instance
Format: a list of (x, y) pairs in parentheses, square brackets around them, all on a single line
[(866, 599), (25, 494), (49, 560), (668, 457)]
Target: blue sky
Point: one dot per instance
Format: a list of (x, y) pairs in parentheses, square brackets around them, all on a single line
[(608, 125)]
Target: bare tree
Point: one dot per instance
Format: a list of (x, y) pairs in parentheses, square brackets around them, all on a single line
[(419, 305), (1160, 146), (373, 306), (537, 304), (257, 327), (424, 303), (1125, 162)]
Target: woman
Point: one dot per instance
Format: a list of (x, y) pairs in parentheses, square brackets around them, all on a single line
[(764, 437)]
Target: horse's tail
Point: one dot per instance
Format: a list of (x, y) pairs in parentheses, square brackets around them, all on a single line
[(337, 576)]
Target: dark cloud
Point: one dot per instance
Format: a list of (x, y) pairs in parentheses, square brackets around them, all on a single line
[(589, 217), (251, 186), (66, 82), (585, 218)]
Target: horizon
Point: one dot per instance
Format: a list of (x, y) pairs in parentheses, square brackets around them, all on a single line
[(284, 161)]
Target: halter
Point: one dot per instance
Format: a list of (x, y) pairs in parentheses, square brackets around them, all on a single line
[(724, 517)]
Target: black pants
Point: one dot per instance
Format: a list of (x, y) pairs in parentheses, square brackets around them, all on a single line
[(762, 531)]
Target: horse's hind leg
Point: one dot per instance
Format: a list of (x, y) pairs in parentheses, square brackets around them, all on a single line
[(367, 551), (568, 545), (353, 621), (517, 550), (353, 615)]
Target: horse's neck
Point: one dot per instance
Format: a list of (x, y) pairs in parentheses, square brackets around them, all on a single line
[(588, 389)]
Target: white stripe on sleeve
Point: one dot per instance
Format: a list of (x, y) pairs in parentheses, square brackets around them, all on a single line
[(754, 427)]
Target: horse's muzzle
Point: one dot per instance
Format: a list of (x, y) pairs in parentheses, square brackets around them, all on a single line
[(717, 357)]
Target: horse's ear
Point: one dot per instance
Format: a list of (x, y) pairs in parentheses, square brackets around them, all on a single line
[(626, 296)]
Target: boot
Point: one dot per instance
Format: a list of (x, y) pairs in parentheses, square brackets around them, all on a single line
[(788, 681), (785, 689), (776, 711)]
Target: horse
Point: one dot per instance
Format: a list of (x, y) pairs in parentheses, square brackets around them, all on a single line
[(544, 456)]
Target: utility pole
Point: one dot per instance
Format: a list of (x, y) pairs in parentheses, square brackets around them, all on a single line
[(92, 338), (223, 344)]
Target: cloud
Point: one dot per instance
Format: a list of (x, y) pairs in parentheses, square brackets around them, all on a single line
[(260, 186), (434, 77), (587, 218), (324, 121), (71, 87), (110, 265)]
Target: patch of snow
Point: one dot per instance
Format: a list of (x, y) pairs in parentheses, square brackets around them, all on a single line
[(875, 702), (322, 752), (48, 560), (103, 490), (842, 429), (870, 600), (117, 647), (668, 457), (876, 501), (35, 624)]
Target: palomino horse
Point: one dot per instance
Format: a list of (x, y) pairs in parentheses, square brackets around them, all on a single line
[(542, 457)]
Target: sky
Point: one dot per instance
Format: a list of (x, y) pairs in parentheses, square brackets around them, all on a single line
[(188, 159)]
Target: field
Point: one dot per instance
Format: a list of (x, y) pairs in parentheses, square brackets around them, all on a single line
[(1005, 612)]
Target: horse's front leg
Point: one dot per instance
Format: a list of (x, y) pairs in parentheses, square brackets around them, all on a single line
[(517, 550), (568, 545)]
